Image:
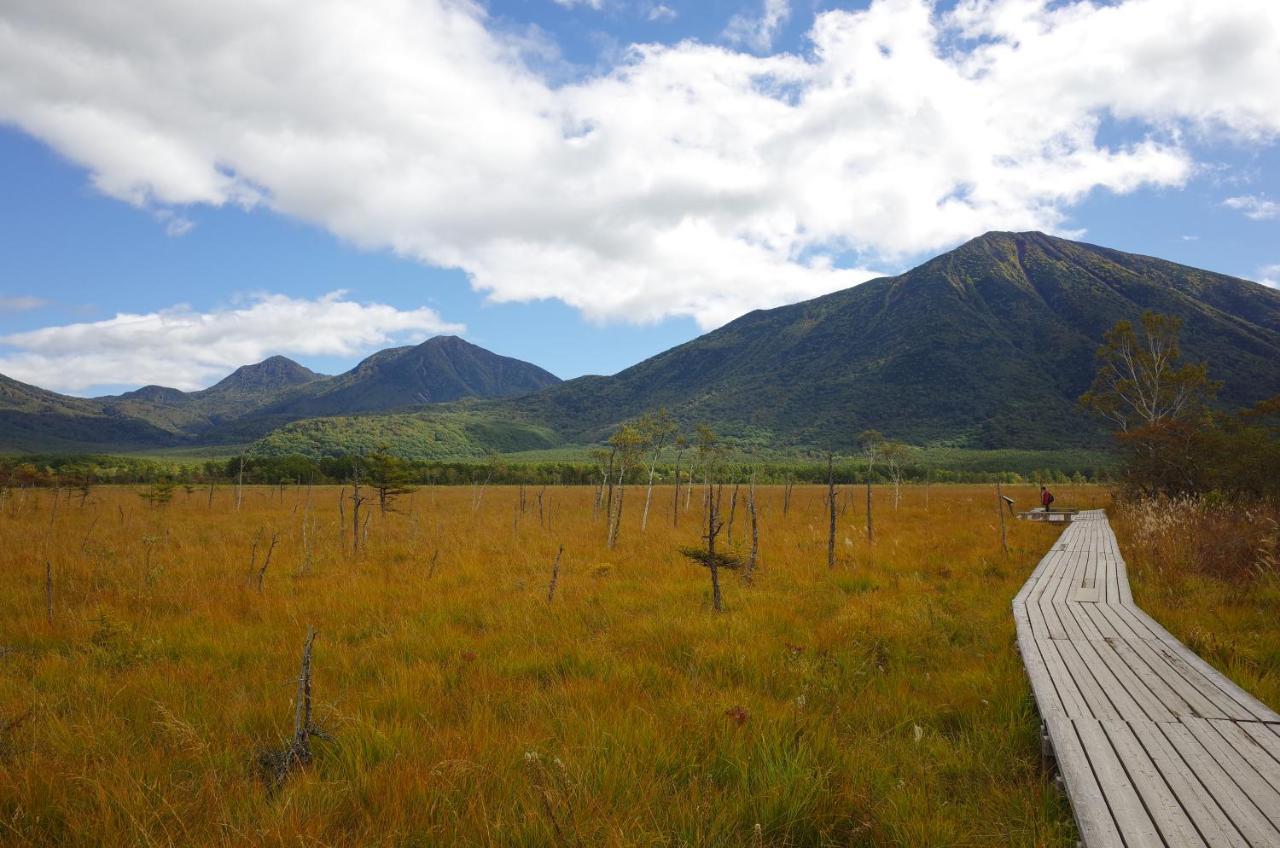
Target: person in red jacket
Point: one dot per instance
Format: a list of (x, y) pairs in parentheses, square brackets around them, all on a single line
[(1046, 498)]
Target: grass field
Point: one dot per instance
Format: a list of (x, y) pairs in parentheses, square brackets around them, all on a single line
[(877, 703), (1210, 573)]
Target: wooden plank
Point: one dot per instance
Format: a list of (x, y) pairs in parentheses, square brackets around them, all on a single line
[(1261, 793), (1096, 702), (1169, 697), (1105, 625), (1151, 702), (1266, 735), (1094, 820), (1262, 757), (1209, 818), (1242, 812), (1070, 579), (1087, 595), (1074, 702), (1048, 700), (1123, 696), (1166, 811), (1122, 798), (1230, 700), (1053, 622)]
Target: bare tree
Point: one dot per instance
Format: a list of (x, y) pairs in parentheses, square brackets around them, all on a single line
[(733, 510), (681, 445), (895, 456), (1004, 538), (48, 590), (262, 573), (831, 508), (754, 558), (628, 443), (709, 557), (655, 431), (870, 442), (357, 501), (604, 462), (276, 765), (555, 575)]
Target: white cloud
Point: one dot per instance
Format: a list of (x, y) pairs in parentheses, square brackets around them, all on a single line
[(1254, 208), (1269, 275), (175, 225), (690, 180), (758, 31), (591, 4), (21, 303), (662, 12), (185, 349)]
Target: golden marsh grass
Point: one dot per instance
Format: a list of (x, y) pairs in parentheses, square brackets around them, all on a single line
[(881, 702)]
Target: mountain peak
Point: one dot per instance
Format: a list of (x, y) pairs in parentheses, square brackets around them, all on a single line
[(274, 372)]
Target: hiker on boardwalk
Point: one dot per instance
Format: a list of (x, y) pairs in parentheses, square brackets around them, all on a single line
[(1046, 498)]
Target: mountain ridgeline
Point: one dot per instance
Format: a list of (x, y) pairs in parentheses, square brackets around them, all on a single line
[(986, 346), (256, 399)]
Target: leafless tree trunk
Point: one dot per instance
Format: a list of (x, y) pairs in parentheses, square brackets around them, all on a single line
[(48, 590), (275, 538), (1004, 539), (555, 575), (755, 530), (786, 496), (675, 504), (608, 476), (356, 500), (648, 495), (615, 524), (240, 485), (733, 510), (713, 529), (831, 508), (871, 533)]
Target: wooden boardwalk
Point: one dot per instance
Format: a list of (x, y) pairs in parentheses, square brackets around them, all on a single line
[(1154, 746)]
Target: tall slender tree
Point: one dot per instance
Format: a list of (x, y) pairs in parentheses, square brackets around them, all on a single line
[(656, 431)]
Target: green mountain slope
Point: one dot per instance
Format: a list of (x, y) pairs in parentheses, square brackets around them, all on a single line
[(986, 346), (257, 399), (441, 369)]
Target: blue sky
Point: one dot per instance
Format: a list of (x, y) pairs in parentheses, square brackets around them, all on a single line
[(521, 173)]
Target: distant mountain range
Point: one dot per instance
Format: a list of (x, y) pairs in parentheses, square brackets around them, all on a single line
[(988, 345), (255, 399)]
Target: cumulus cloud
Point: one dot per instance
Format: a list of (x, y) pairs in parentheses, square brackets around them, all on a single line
[(1269, 275), (21, 303), (590, 4), (758, 31), (186, 349), (688, 180), (1254, 208)]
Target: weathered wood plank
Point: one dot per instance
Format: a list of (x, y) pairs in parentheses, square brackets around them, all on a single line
[(1161, 803), (1244, 814), (1094, 820), (1261, 793), (1121, 796), (1210, 819)]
